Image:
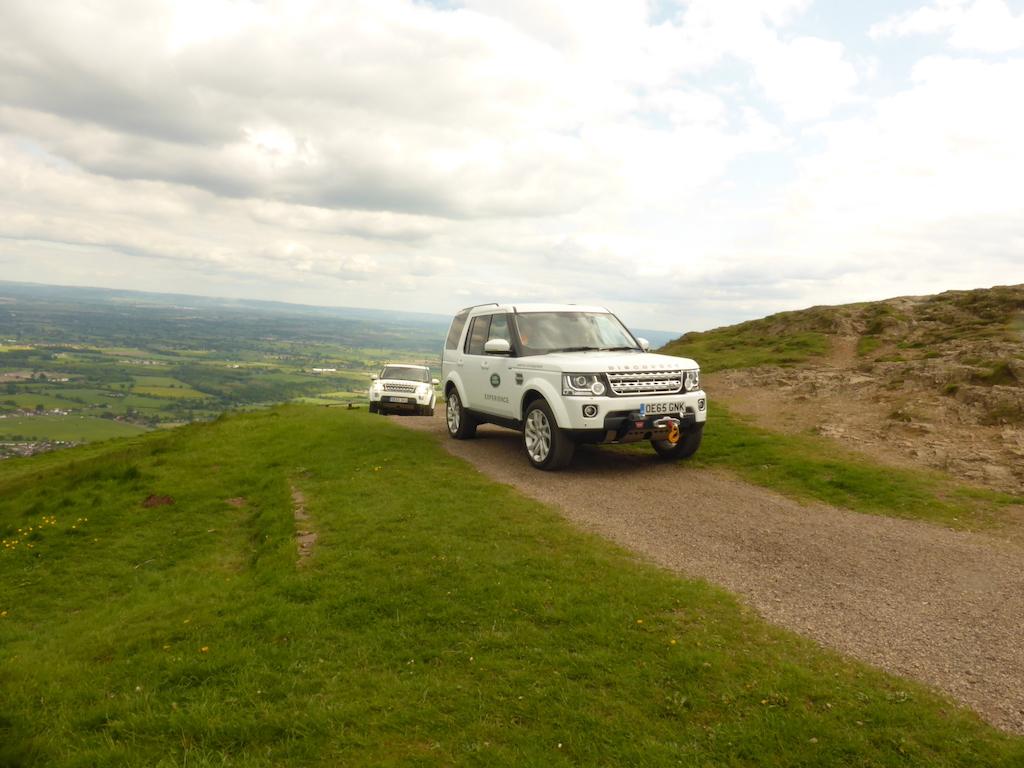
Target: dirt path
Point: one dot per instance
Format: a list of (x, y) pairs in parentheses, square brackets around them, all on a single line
[(305, 538), (940, 606)]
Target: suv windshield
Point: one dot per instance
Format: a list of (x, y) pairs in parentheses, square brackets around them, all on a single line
[(543, 332), (405, 373)]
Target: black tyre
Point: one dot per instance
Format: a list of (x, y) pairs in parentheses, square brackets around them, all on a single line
[(461, 425), (374, 407), (547, 445), (683, 448), (424, 410)]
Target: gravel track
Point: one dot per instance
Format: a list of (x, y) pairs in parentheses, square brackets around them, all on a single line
[(944, 607)]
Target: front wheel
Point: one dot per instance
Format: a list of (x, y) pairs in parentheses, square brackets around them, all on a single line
[(547, 445), (461, 425), (684, 447)]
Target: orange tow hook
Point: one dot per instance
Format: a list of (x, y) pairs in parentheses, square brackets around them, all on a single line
[(673, 428)]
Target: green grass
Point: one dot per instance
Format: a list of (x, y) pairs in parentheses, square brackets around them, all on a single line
[(999, 373), (157, 381), (70, 427), (334, 398), (443, 620), (814, 468), (175, 393), (748, 345), (165, 387), (867, 344)]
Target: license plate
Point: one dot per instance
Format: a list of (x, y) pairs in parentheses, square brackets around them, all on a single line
[(398, 400), (656, 409)]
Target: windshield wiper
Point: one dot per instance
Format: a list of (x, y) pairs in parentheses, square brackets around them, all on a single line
[(574, 349), (619, 349)]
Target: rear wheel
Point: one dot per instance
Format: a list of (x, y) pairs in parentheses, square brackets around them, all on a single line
[(547, 445), (684, 446), (461, 425)]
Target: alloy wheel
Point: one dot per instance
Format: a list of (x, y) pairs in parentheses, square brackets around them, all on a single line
[(537, 435), (452, 410)]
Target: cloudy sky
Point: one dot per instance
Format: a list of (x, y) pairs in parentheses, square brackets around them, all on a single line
[(689, 164)]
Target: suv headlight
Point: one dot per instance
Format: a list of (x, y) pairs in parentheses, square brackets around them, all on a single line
[(583, 384), (422, 389), (691, 380)]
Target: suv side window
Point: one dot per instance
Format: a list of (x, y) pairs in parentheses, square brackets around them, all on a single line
[(455, 332), (499, 328), (477, 335)]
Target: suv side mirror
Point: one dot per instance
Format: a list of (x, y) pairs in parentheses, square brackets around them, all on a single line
[(645, 345), (497, 347), (435, 382), (373, 376)]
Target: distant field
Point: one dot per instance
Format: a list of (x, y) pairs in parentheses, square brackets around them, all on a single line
[(142, 354), (86, 396), (138, 402), (65, 428), (172, 392), (150, 361), (29, 400), (164, 386)]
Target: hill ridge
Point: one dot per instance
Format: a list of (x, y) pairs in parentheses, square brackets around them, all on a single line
[(927, 380)]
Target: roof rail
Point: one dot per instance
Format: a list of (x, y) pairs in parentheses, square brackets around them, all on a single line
[(485, 304)]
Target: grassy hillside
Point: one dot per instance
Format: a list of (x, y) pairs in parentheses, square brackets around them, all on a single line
[(981, 329), (441, 620)]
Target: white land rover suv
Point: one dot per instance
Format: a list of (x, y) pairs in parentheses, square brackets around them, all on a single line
[(564, 375), (403, 389)]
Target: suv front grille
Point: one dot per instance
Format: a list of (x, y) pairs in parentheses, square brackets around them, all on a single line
[(389, 387), (646, 382)]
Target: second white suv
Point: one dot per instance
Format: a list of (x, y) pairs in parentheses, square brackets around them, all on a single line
[(566, 374), (401, 388)]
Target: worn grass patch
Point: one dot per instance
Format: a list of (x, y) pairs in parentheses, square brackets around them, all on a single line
[(444, 620)]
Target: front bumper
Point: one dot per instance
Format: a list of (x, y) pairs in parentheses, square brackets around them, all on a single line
[(402, 400), (629, 419)]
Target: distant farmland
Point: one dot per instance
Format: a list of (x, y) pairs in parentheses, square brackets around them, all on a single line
[(70, 428)]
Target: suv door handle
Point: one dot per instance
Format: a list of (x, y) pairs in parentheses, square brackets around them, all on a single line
[(485, 363)]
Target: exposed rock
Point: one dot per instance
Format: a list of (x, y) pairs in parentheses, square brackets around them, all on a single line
[(940, 382)]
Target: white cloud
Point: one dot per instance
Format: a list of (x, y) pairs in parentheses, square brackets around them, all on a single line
[(399, 153), (807, 77), (973, 25), (918, 194)]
